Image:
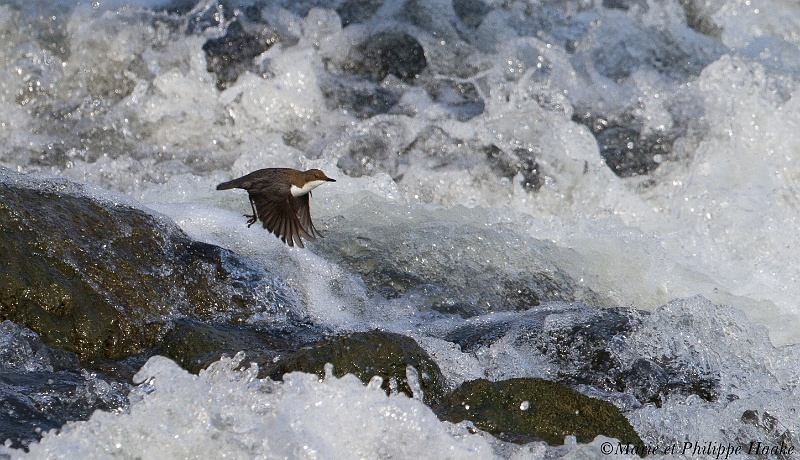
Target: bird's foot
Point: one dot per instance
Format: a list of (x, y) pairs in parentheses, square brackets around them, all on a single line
[(251, 219)]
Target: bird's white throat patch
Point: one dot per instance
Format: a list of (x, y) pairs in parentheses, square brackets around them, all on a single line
[(298, 191)]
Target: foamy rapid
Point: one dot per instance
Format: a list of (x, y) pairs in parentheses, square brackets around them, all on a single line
[(641, 153)]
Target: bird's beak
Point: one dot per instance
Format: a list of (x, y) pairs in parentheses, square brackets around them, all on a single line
[(330, 180)]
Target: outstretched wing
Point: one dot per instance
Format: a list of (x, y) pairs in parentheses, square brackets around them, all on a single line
[(278, 210), (304, 215)]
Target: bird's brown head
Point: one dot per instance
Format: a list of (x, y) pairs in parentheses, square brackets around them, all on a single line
[(316, 174)]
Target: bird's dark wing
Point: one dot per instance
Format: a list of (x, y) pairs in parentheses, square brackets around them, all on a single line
[(279, 215), (304, 215)]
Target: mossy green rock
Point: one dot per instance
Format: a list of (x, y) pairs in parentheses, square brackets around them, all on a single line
[(101, 278), (525, 410), (367, 354)]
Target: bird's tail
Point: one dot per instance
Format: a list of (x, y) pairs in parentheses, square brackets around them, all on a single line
[(228, 185)]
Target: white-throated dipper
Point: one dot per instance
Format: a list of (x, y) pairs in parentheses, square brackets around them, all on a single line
[(279, 197)]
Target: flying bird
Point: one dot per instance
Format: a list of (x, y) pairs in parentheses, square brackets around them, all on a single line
[(279, 198)]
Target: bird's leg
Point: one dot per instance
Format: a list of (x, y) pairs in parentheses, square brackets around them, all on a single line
[(252, 218)]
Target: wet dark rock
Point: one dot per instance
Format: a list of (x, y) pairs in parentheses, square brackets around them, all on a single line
[(586, 346), (367, 354), (646, 379), (358, 11), (101, 279), (32, 404), (481, 332), (229, 56), (525, 410), (578, 338), (625, 153), (764, 421), (42, 388), (625, 150), (509, 164), (194, 344), (388, 53), (625, 4)]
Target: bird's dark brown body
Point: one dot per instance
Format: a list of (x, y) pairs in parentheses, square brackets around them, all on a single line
[(279, 198)]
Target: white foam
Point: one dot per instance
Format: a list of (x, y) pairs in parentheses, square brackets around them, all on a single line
[(225, 413), (719, 342)]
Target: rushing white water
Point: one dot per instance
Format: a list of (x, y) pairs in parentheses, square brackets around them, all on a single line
[(251, 418), (119, 95)]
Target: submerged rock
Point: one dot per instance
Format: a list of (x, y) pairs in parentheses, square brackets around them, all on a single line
[(363, 98), (369, 354), (232, 54), (520, 161), (628, 154), (101, 278), (451, 265), (358, 11), (42, 388), (471, 12), (587, 347), (388, 53), (626, 151), (525, 410), (22, 350)]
